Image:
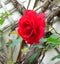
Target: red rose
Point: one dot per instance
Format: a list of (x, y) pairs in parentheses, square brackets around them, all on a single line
[(31, 26)]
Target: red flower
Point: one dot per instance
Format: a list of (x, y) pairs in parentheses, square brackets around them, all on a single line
[(31, 26)]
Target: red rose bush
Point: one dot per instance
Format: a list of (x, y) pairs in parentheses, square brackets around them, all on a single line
[(31, 26)]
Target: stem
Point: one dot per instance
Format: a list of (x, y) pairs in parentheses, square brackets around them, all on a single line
[(42, 57), (54, 30), (12, 51), (19, 6), (57, 51), (46, 4), (20, 53), (54, 13), (28, 4)]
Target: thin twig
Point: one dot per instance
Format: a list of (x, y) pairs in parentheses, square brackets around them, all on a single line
[(57, 51), (42, 57), (54, 30), (28, 4)]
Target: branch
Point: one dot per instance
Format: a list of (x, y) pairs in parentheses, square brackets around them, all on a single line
[(20, 53), (57, 51), (3, 59), (45, 5), (42, 57), (54, 13), (30, 53), (19, 6)]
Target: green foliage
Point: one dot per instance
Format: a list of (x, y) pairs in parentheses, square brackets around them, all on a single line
[(14, 43), (1, 20), (32, 58), (1, 32), (53, 40), (58, 57), (43, 40), (39, 46), (2, 17)]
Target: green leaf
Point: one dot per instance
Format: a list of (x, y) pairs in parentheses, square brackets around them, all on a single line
[(58, 56), (31, 58), (53, 40), (6, 13), (39, 46), (2, 17), (1, 20), (43, 40), (16, 42), (1, 31), (54, 36)]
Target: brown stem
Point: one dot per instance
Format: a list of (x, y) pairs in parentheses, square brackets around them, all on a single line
[(19, 6), (46, 4), (54, 13), (42, 57), (57, 51), (19, 55)]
